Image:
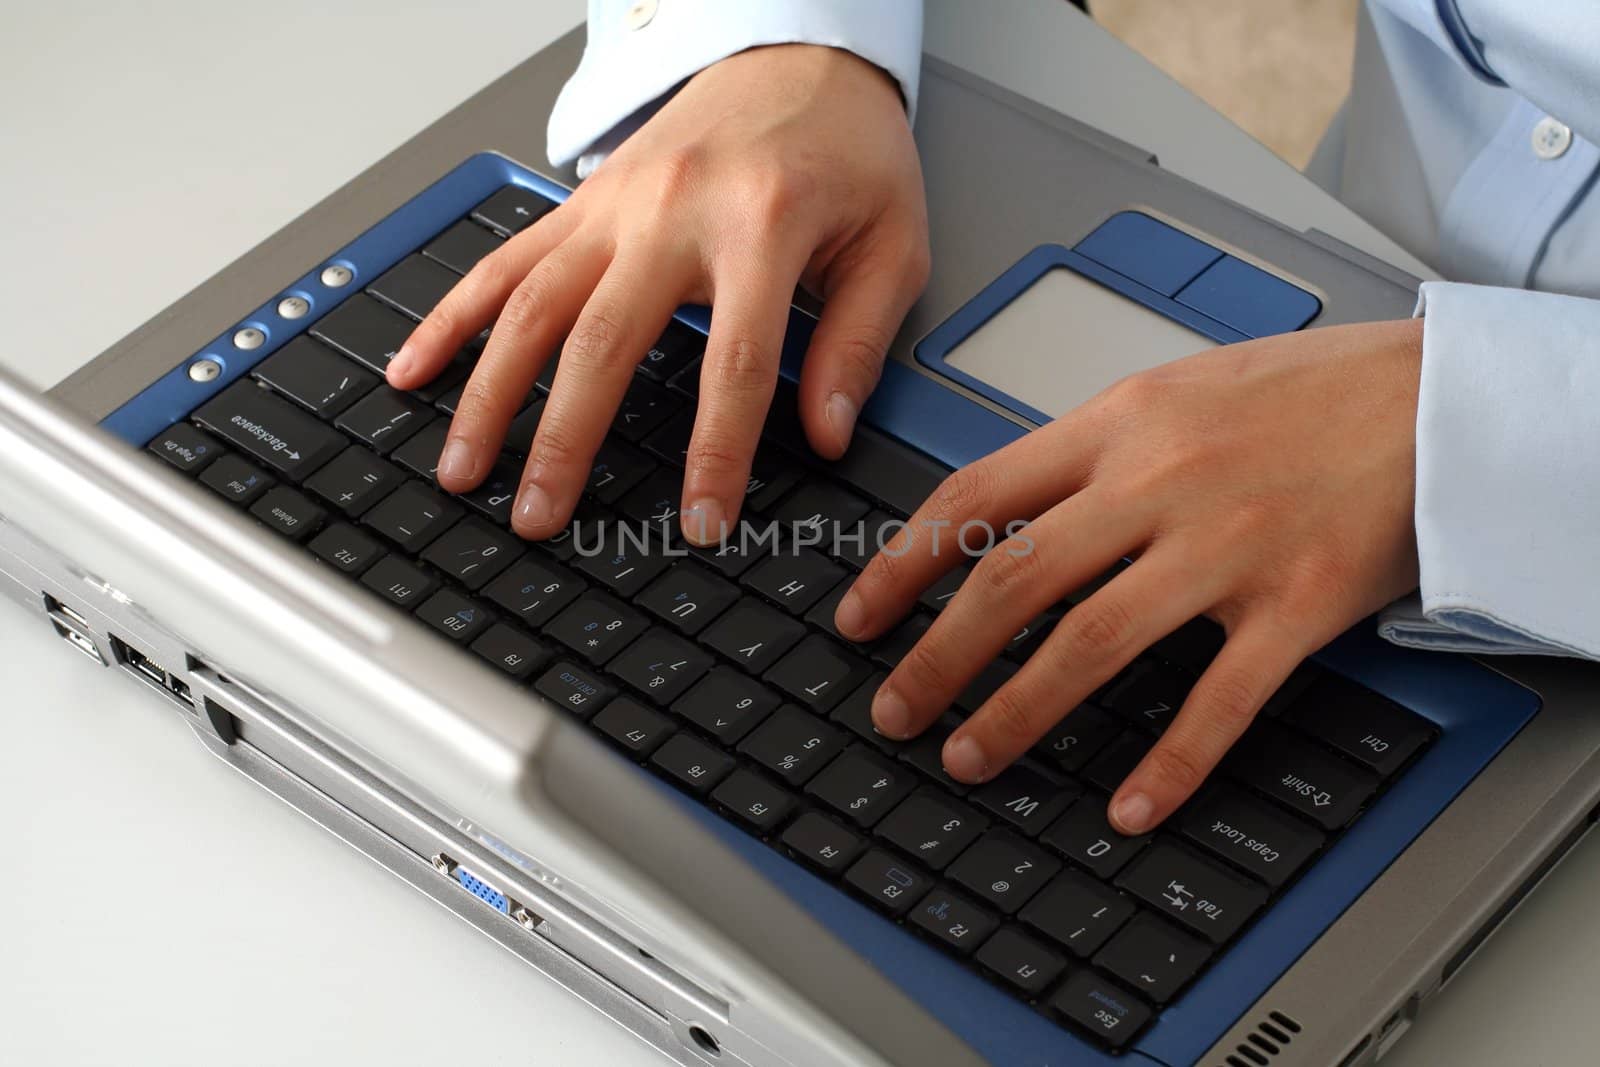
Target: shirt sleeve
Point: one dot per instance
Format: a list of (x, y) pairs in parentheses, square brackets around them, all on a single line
[(1508, 483), (1548, 51), (638, 51)]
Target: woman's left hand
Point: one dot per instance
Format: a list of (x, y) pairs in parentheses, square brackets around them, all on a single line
[(1268, 485)]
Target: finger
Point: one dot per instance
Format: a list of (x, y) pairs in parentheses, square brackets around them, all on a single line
[(749, 315), (627, 311), (531, 324), (1018, 482), (1161, 591), (1061, 551), (474, 302), (862, 313), (1254, 662)]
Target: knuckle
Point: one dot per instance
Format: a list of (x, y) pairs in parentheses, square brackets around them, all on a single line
[(480, 397), (966, 492), (527, 303), (716, 456), (862, 349), (1231, 699), (1008, 716), (1101, 627), (1176, 765), (1005, 574), (677, 171), (924, 668), (596, 335), (553, 445), (742, 365)]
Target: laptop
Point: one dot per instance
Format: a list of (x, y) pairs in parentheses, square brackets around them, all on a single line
[(648, 770)]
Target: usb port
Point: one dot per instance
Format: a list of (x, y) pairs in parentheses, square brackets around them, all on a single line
[(56, 607), (73, 628)]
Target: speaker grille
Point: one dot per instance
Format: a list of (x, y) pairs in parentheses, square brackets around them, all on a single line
[(1265, 1043)]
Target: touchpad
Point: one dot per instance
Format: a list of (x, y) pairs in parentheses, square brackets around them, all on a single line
[(1064, 339)]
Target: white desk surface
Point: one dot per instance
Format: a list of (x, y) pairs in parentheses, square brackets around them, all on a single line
[(158, 909)]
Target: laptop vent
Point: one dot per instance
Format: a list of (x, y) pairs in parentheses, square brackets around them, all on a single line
[(1263, 1044)]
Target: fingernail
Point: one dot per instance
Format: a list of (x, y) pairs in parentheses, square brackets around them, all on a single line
[(705, 522), (401, 361), (964, 759), (851, 615), (1131, 812), (459, 462), (890, 715), (841, 413), (534, 507)]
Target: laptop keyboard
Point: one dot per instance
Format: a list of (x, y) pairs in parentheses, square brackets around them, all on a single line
[(720, 670)]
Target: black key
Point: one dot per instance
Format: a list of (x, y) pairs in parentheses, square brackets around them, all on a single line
[(889, 471), (462, 245), (772, 474), (854, 713), (399, 582), (1307, 779), (513, 209), (414, 286), (448, 379), (638, 728), (1294, 687), (687, 597), (535, 589), (1191, 646), (1077, 912), (888, 881), (355, 480), (413, 515), (1201, 895), (187, 448), (597, 627), (655, 501), (818, 673), (1078, 738), (644, 407), (932, 827), (523, 429), (1250, 834), (574, 688), (1149, 695), (365, 330), (237, 479), (671, 441), (586, 529), (511, 650), (289, 513), (1118, 759), (1084, 835), (1003, 869), (941, 592), (754, 800), (1020, 961), (794, 580), (676, 349), (459, 619), (693, 763), (893, 648), (473, 552), (617, 468), (661, 665), (926, 754), (420, 455), (386, 418), (752, 540), (1026, 641), (497, 492), (861, 785), (347, 548), (783, 427), (792, 744), (822, 508), (1358, 722), (1025, 797), (860, 541), (1109, 1012), (727, 704), (995, 673), (753, 635), (823, 843), (1152, 957), (625, 558), (316, 377), (955, 921), (449, 401), (271, 429)]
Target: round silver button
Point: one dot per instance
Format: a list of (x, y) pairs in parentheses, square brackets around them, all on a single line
[(293, 307), (640, 14), (249, 338), (1551, 138), (335, 275), (205, 370)]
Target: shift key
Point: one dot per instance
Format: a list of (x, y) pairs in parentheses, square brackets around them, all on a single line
[(271, 429), (1306, 778)]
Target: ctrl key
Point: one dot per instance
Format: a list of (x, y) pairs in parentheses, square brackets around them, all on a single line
[(1103, 1008)]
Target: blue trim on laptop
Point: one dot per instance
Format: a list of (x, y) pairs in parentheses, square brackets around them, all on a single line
[(1477, 711)]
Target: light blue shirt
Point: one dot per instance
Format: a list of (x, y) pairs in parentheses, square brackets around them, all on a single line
[(1470, 137)]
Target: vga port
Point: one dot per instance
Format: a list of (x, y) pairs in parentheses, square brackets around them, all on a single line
[(483, 891)]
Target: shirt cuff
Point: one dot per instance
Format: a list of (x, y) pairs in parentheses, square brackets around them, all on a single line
[(1442, 22), (637, 52), (1508, 503)]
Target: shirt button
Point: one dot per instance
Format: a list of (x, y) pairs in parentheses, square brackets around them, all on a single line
[(1551, 139), (640, 14)]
